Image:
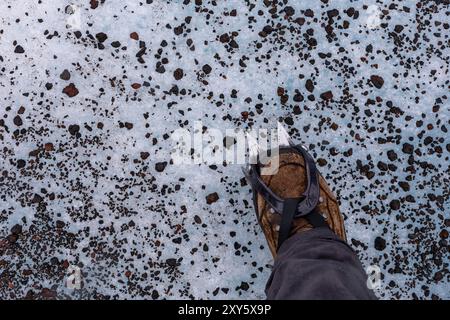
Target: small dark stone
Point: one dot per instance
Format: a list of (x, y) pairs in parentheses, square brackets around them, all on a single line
[(327, 95), (197, 219), (211, 198), (71, 90), (160, 69), (74, 129), (407, 148), (244, 286), (17, 229), (48, 86), (224, 38), (178, 30), (289, 11), (21, 163), (398, 28), (12, 238), (298, 97), (48, 293), (234, 44), (144, 155), (309, 13), (60, 224), (160, 166), (392, 155), (380, 243), (382, 166), (172, 262), (37, 198), (206, 69), (377, 81), (155, 295), (322, 162), (267, 29), (289, 121), (101, 37), (404, 185), (178, 74), (312, 42), (309, 85), (18, 121), (394, 204), (65, 75), (19, 49), (134, 36), (333, 13), (115, 44)]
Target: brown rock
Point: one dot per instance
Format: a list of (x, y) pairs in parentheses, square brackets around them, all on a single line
[(71, 91), (328, 95), (377, 81), (48, 293), (48, 147), (94, 4), (134, 36), (211, 198), (144, 155), (178, 74)]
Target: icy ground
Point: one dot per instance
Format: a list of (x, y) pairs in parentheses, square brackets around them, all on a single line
[(90, 94)]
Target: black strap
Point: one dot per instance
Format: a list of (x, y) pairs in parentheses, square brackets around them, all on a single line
[(316, 219), (289, 212), (260, 187), (288, 216), (310, 196)]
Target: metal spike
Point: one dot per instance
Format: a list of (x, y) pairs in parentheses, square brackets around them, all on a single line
[(284, 140)]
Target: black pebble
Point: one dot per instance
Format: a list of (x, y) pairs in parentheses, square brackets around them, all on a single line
[(65, 75), (380, 243), (74, 129), (178, 74), (19, 49), (101, 37), (377, 81), (18, 121), (394, 204), (21, 163), (160, 166), (206, 69)]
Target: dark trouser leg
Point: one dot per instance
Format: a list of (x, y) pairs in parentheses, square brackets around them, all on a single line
[(316, 264)]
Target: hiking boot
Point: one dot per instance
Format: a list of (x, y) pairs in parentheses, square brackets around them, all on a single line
[(295, 199)]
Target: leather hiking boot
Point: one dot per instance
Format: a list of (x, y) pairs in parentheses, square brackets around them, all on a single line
[(293, 184)]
